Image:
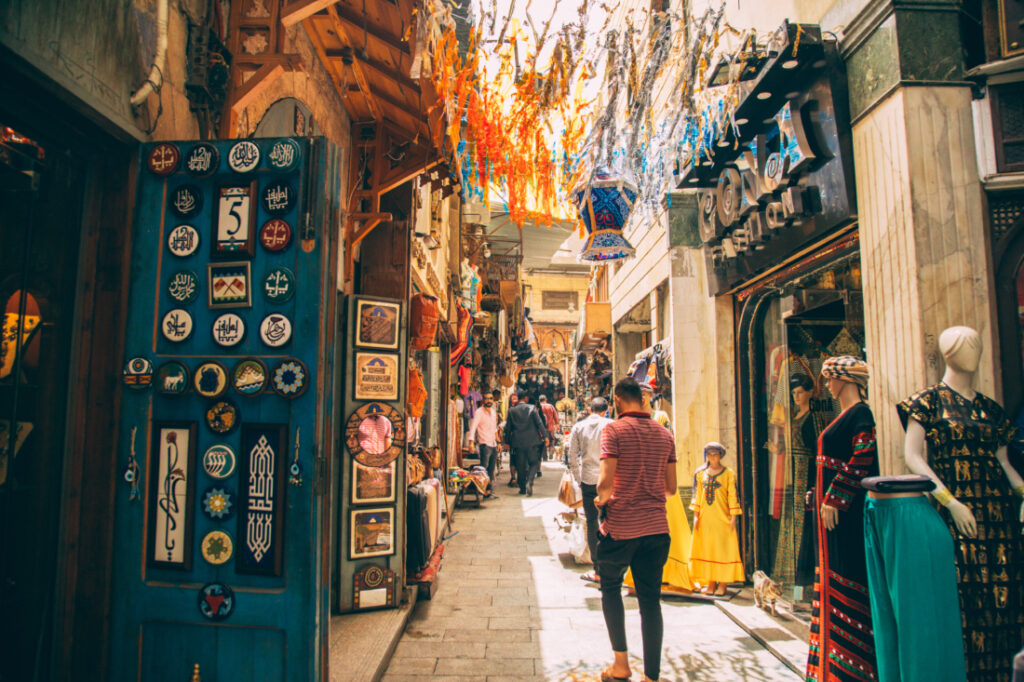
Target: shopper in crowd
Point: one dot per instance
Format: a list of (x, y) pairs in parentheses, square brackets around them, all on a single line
[(637, 474), (483, 431), (550, 422), (527, 435), (585, 466)]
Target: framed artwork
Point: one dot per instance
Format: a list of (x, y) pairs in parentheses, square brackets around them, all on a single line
[(373, 587), (172, 488), (371, 532), (234, 222), (261, 503), (229, 285), (377, 324), (376, 376), (373, 484), (375, 434)]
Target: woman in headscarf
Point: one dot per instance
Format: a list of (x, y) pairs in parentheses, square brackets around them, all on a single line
[(842, 646)]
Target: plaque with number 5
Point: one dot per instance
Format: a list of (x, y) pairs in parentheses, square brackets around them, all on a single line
[(234, 222)]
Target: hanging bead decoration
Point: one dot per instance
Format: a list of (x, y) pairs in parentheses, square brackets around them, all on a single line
[(131, 472)]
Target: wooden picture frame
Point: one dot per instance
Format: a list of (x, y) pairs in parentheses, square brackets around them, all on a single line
[(233, 232), (373, 485), (261, 499), (378, 324), (221, 275), (371, 532), (376, 376), (373, 587), (172, 490)]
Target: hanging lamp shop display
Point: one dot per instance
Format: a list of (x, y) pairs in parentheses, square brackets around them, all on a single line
[(604, 207)]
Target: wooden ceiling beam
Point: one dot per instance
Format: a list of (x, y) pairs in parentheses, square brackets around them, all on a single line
[(381, 68), (394, 107), (357, 67), (297, 10), (354, 20), (334, 70)]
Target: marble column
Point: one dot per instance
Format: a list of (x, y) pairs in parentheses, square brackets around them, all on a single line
[(925, 255)]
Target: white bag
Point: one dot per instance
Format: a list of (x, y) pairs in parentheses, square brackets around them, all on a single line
[(569, 492), (578, 546)]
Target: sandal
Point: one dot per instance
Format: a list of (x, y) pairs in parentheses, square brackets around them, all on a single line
[(608, 677), (590, 578)]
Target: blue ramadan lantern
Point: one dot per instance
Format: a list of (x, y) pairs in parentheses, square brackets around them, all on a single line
[(604, 206)]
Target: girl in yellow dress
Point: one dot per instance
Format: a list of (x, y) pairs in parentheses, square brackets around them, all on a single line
[(715, 550)]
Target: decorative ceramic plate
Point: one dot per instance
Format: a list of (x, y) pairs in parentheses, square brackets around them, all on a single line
[(183, 241), (249, 377), (163, 159), (183, 287), (176, 325), (244, 157), (275, 235), (222, 417), (202, 160), (289, 378), (210, 379), (219, 461), (186, 201), (216, 601), (138, 373), (275, 330), (278, 197), (278, 285), (172, 378), (284, 155), (217, 504), (228, 330), (217, 547)]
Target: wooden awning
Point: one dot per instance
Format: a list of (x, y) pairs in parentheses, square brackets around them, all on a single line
[(367, 47)]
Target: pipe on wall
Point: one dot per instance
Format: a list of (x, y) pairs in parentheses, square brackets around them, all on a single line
[(156, 74)]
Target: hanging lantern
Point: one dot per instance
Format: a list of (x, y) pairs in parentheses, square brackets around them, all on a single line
[(604, 207)]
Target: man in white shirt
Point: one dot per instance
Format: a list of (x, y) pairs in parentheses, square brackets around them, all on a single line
[(585, 465), (483, 430)]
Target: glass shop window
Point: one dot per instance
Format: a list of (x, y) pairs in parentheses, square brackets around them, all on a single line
[(815, 317)]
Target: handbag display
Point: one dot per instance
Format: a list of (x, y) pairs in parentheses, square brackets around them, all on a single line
[(424, 315)]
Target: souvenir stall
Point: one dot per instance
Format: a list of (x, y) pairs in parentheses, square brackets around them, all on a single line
[(227, 420)]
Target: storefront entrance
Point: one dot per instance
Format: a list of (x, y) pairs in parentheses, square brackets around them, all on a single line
[(788, 327)]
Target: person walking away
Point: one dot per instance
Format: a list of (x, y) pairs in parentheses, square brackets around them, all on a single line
[(550, 422), (483, 431), (526, 434), (715, 552), (585, 466), (638, 473)]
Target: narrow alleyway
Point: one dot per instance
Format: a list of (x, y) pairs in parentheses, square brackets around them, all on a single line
[(510, 606)]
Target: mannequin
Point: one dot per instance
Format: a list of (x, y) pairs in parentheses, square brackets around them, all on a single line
[(966, 435), (841, 642)]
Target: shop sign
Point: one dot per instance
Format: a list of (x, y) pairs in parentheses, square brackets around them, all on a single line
[(777, 176), (376, 376)]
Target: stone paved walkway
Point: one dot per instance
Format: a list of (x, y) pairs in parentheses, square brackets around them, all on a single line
[(510, 606)]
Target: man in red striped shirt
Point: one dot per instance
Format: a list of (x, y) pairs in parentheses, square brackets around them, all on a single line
[(638, 473)]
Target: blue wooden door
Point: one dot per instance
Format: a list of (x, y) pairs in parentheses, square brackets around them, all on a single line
[(226, 421)]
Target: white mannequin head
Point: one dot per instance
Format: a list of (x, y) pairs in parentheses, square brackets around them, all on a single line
[(961, 346)]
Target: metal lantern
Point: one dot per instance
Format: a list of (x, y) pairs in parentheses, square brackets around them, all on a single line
[(604, 206)]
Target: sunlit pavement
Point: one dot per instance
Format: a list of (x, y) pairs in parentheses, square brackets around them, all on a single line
[(510, 606)]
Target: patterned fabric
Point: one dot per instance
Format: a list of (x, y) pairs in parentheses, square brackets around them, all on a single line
[(794, 556), (963, 436), (842, 644), (849, 368)]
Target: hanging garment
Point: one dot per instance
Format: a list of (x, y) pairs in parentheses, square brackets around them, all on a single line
[(417, 393), (424, 315), (715, 548), (675, 577), (417, 551), (842, 644), (912, 583), (963, 436)]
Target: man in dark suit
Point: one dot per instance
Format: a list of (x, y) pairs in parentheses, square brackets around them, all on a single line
[(526, 434)]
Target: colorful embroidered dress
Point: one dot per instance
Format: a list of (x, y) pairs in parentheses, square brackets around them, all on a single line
[(842, 641), (963, 436), (715, 551)]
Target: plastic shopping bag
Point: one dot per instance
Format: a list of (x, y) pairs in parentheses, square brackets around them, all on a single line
[(569, 492), (578, 546)]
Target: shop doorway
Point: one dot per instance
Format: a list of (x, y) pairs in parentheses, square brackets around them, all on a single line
[(1010, 301), (62, 211), (788, 329)]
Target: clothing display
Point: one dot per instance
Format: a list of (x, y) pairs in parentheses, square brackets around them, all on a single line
[(675, 576), (715, 548), (794, 554), (842, 646), (418, 545), (962, 438), (912, 585)]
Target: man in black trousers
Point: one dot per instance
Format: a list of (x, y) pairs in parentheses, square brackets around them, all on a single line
[(526, 434)]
